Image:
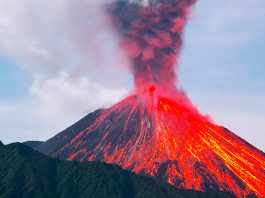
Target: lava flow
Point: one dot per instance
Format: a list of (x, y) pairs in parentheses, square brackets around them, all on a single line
[(156, 130)]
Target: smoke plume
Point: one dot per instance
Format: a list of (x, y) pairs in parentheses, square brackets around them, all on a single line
[(151, 35)]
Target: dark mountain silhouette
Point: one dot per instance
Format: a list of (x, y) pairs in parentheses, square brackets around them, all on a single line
[(52, 145), (33, 144), (28, 173)]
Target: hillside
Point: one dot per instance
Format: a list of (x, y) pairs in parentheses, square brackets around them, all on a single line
[(28, 173)]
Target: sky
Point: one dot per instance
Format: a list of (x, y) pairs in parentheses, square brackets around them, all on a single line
[(59, 60)]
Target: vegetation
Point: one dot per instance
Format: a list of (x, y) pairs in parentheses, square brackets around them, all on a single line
[(28, 173)]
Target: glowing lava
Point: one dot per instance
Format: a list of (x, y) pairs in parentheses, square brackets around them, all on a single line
[(157, 131), (170, 141)]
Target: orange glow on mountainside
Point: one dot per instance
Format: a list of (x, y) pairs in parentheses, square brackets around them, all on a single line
[(167, 138), (157, 131)]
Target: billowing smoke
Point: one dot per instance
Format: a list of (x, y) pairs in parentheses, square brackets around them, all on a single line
[(151, 35)]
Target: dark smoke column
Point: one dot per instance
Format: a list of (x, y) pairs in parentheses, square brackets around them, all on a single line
[(151, 32)]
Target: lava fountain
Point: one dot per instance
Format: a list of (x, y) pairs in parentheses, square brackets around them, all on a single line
[(156, 130)]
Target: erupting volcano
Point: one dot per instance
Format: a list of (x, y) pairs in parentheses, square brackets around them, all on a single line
[(156, 130)]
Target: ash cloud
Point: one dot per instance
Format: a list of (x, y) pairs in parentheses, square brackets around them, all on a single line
[(151, 36)]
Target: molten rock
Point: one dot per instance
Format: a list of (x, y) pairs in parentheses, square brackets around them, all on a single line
[(157, 131)]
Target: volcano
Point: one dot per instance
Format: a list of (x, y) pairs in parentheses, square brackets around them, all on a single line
[(168, 141), (156, 130)]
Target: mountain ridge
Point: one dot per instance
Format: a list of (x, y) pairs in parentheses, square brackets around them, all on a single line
[(28, 173)]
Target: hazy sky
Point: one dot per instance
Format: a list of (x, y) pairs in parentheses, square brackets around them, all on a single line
[(59, 61)]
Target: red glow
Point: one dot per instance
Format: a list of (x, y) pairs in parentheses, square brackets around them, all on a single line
[(170, 133), (157, 131)]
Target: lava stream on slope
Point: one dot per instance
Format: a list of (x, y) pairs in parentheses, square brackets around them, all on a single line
[(169, 140), (157, 131)]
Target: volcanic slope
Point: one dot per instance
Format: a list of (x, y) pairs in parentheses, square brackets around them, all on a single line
[(27, 173), (169, 141), (156, 131)]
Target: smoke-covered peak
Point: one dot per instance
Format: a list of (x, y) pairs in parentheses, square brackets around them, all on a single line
[(153, 3)]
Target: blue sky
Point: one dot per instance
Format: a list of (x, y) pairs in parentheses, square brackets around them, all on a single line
[(14, 82), (55, 67)]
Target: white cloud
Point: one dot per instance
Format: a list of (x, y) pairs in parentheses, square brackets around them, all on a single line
[(59, 102), (66, 94), (65, 46), (49, 36)]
